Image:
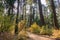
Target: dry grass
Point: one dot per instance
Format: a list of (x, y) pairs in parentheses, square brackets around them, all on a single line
[(56, 33), (23, 35), (21, 25)]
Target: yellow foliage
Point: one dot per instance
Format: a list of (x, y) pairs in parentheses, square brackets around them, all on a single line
[(56, 33), (22, 35), (44, 30), (12, 29), (34, 28), (21, 25)]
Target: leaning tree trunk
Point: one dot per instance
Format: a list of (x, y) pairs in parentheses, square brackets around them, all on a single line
[(40, 11), (16, 26), (54, 14)]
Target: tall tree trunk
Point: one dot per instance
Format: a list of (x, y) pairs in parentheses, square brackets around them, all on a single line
[(12, 10), (33, 14), (9, 11), (54, 14), (16, 26), (33, 9), (40, 11), (30, 16)]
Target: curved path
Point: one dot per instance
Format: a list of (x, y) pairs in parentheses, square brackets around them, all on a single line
[(37, 37)]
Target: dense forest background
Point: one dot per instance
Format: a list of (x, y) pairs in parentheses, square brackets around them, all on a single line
[(18, 17)]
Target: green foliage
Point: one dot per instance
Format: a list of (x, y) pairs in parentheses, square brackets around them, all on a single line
[(49, 19), (5, 23), (45, 30), (10, 2), (37, 20)]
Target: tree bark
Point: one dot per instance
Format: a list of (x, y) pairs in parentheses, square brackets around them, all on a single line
[(9, 11), (41, 13), (54, 14), (16, 26)]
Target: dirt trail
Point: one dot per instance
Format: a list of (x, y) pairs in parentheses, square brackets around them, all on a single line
[(37, 37)]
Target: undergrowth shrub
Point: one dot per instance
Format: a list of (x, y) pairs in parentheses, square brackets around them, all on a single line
[(22, 35), (21, 25), (34, 28), (45, 30), (6, 23), (56, 33)]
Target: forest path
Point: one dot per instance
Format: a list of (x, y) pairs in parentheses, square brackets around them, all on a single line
[(37, 37)]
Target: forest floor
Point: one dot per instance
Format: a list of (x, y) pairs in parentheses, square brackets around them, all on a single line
[(31, 36), (38, 37)]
